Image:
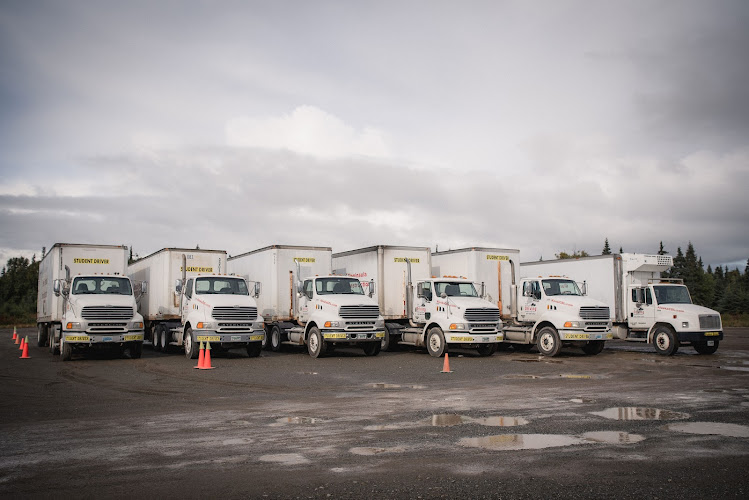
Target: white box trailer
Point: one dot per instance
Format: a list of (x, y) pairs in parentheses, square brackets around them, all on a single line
[(548, 312), (459, 319), (85, 300), (644, 307), (303, 303), (162, 270)]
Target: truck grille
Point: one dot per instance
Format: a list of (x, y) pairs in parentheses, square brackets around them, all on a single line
[(708, 322), (594, 312), (483, 314), (106, 313), (366, 312), (235, 313)]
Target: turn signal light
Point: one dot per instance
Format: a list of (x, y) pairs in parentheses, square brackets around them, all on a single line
[(200, 324)]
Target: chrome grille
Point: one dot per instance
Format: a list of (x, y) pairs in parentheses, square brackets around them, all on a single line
[(107, 313), (489, 314), (594, 312), (235, 313), (709, 321), (366, 312)]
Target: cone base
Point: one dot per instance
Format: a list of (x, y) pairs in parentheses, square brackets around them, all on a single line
[(205, 368)]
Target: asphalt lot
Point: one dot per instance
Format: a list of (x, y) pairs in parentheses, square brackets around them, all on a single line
[(626, 423)]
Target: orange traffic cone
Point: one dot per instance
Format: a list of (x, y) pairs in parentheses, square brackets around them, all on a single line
[(446, 365), (201, 356), (25, 353), (15, 335), (18, 339), (207, 358), (22, 344)]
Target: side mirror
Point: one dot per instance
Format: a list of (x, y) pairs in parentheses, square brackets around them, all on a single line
[(257, 290), (178, 286), (483, 290), (371, 288), (56, 288), (443, 295), (585, 288)]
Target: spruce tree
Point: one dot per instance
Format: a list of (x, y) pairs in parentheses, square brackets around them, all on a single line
[(606, 248)]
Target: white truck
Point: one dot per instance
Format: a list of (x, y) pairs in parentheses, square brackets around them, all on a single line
[(193, 300), (85, 300), (644, 307), (548, 312), (304, 304), (421, 310)]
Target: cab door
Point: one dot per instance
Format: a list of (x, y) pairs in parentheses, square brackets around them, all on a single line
[(528, 310), (185, 302), (641, 308), (305, 301), (424, 303)]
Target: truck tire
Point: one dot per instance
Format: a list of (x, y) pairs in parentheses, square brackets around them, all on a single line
[(664, 341), (703, 348), (275, 339), (41, 335), (136, 350), (66, 350), (487, 349), (436, 342), (549, 344), (191, 348), (593, 347), (372, 348), (266, 337), (315, 342), (254, 348), (164, 338), (156, 338)]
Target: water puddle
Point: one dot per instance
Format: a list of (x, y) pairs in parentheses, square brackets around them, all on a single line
[(395, 386), (369, 451), (582, 400), (639, 413), (450, 419), (521, 441), (613, 437), (393, 427), (582, 376), (735, 368), (285, 458), (296, 421), (520, 376), (713, 428), (237, 441)]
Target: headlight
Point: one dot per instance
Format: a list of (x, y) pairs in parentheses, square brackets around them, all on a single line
[(204, 326), (572, 324), (137, 325), (457, 326), (258, 326), (331, 324), (73, 326)]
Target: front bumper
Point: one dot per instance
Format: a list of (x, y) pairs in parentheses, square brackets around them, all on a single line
[(700, 336), (585, 336), (344, 336), (229, 338), (74, 337), (471, 338)]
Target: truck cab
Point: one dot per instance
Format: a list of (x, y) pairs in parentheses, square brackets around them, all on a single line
[(559, 313), (334, 310), (98, 310), (449, 311), (219, 309), (661, 311)]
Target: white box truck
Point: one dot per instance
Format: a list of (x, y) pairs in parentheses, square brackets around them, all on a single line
[(86, 301), (644, 307), (192, 299), (421, 310), (548, 312), (304, 304)]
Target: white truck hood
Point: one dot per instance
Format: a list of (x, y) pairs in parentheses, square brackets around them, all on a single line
[(338, 300), (574, 302), (77, 302), (225, 300), (463, 303), (691, 309)]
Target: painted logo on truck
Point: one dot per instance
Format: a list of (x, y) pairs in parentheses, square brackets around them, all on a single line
[(90, 261), (497, 257)]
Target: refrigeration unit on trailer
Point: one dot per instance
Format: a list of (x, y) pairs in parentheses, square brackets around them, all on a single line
[(644, 306), (305, 304), (192, 299), (419, 309), (86, 301), (548, 312)]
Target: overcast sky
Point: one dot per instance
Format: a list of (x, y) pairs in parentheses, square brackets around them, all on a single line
[(545, 126)]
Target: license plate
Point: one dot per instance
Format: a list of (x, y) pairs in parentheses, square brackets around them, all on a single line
[(712, 334), (380, 335), (133, 337), (256, 337), (77, 338), (711, 342), (462, 339), (209, 338), (236, 338), (361, 335), (334, 335)]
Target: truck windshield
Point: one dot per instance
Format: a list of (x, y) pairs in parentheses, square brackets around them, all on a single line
[(672, 294), (452, 289), (560, 287), (87, 285), (329, 286), (221, 285)]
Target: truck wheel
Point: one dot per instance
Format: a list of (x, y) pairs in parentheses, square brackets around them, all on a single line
[(436, 342), (164, 338), (66, 350), (593, 347), (487, 349), (156, 338), (266, 337), (549, 343), (315, 342), (136, 350), (664, 341), (275, 339), (254, 348), (191, 349), (703, 348), (372, 348), (41, 335)]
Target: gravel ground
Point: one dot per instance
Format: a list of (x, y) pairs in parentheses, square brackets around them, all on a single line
[(626, 423)]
